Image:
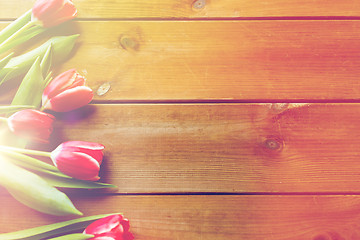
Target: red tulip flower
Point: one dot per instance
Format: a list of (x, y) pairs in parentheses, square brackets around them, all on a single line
[(66, 92), (32, 124), (79, 159), (114, 227), (53, 12)]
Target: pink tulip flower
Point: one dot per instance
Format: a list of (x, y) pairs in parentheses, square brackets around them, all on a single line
[(32, 124), (66, 92), (79, 159), (114, 227), (53, 12)]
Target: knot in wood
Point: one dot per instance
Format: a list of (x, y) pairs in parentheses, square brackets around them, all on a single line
[(329, 236), (321, 237), (273, 144), (129, 43), (279, 107), (104, 88), (198, 5)]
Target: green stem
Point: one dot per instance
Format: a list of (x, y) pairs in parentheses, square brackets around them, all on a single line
[(15, 25), (26, 151), (15, 35), (3, 119)]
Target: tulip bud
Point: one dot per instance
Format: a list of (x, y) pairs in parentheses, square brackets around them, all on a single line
[(79, 159), (66, 92), (32, 124), (113, 227), (53, 12)]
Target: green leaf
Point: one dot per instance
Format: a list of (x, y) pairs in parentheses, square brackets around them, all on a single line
[(13, 108), (9, 74), (61, 49), (74, 236), (48, 79), (50, 173), (29, 162), (31, 88), (33, 191), (52, 229), (27, 35), (5, 60), (57, 180), (46, 62), (15, 26)]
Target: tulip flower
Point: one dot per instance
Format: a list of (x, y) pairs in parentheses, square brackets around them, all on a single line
[(53, 12), (113, 227), (79, 159), (66, 92), (32, 124)]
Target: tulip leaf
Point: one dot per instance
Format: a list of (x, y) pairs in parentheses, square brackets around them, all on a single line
[(48, 79), (74, 236), (5, 60), (13, 108), (52, 229), (23, 37), (33, 191), (29, 162), (15, 26), (61, 46), (46, 62), (50, 173), (31, 88), (57, 180), (8, 74)]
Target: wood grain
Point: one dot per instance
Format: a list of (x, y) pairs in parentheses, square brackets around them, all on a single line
[(219, 60), (170, 9), (222, 147), (214, 217)]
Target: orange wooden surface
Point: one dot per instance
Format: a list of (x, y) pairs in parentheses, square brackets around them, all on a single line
[(192, 159), (203, 9), (309, 217), (218, 60), (223, 147)]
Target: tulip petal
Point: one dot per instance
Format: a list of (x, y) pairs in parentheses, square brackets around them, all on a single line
[(67, 12), (76, 164), (84, 145), (90, 148), (61, 82), (31, 124), (44, 8), (97, 155), (104, 225), (53, 12), (70, 99)]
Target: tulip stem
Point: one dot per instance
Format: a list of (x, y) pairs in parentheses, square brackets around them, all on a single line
[(3, 119), (26, 151), (15, 35)]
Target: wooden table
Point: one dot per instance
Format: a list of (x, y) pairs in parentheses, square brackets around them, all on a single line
[(203, 109)]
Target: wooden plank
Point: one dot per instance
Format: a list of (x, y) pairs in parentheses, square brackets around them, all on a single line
[(219, 60), (213, 217), (129, 9), (222, 147)]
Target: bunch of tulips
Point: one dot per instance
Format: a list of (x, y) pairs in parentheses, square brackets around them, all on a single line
[(76, 164)]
